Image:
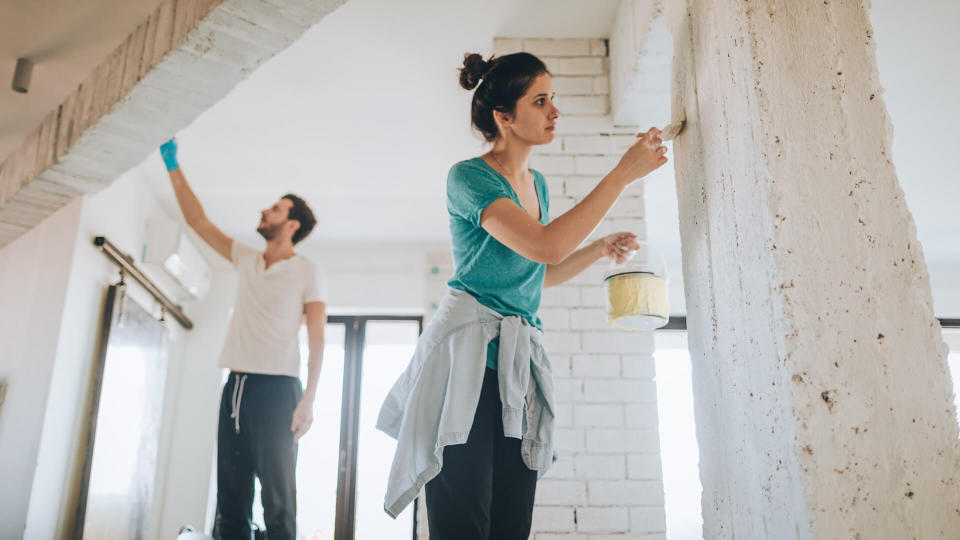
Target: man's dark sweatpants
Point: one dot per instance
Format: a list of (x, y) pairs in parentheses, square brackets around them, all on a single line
[(254, 439)]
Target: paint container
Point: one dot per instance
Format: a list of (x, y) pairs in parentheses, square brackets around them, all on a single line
[(637, 291)]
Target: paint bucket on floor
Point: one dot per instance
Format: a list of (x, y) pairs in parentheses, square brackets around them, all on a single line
[(636, 291)]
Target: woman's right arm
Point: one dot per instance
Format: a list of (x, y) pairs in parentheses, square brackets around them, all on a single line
[(552, 243)]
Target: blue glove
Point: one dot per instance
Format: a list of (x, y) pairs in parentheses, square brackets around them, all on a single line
[(168, 151)]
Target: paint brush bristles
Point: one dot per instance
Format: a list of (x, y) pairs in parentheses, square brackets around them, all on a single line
[(671, 131)]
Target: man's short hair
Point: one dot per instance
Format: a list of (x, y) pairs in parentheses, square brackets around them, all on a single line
[(302, 213)]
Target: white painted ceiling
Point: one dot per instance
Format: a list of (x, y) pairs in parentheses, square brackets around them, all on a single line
[(363, 116)]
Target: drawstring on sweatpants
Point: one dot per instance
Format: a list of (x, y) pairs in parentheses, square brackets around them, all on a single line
[(235, 402)]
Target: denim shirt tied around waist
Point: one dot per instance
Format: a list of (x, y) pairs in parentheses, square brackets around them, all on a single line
[(433, 403)]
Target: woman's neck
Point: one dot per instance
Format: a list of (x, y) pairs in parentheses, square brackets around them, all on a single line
[(512, 156)]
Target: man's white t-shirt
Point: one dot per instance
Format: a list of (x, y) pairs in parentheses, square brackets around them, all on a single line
[(263, 334)]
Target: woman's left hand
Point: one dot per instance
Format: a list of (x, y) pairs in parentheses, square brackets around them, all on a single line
[(617, 246)]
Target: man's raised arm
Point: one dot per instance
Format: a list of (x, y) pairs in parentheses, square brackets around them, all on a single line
[(190, 206)]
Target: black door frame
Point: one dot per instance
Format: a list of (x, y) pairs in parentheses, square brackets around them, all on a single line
[(353, 345)]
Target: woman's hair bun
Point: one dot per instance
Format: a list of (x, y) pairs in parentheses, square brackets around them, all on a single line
[(474, 68)]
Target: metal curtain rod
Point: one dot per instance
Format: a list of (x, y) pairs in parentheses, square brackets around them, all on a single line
[(125, 262)]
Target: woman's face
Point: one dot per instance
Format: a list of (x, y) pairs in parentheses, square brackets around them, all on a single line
[(534, 119)]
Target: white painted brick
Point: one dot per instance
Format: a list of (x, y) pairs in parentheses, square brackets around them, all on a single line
[(592, 275), (586, 144), (561, 342), (583, 105), (590, 467), (589, 319), (555, 147), (627, 206), (552, 164), (602, 230), (595, 165), (574, 86), (555, 536), (595, 366), (564, 414), (555, 185), (605, 520), (620, 143), (570, 440), (643, 415), (648, 519), (627, 441), (557, 47), (561, 365), (593, 415), (553, 519), (598, 47), (560, 206), (563, 492), (627, 342), (635, 225), (594, 297), (601, 84), (575, 66), (619, 391), (630, 536), (590, 125), (560, 296), (568, 390), (640, 366), (644, 467), (555, 318), (626, 492), (580, 186), (504, 46), (563, 468), (635, 189)]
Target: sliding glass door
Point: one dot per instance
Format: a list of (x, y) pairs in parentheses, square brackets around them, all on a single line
[(343, 460)]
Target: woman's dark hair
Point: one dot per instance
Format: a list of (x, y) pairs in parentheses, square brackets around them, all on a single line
[(502, 82), (302, 213)]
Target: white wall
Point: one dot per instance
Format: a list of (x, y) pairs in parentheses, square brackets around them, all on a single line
[(117, 213), (372, 279), (33, 284), (50, 323), (194, 383)]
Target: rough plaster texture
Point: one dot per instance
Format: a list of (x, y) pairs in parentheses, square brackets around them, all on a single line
[(180, 60), (823, 402)]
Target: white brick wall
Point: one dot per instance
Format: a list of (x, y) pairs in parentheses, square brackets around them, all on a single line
[(608, 482)]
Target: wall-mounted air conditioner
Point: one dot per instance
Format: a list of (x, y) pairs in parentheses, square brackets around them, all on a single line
[(166, 246)]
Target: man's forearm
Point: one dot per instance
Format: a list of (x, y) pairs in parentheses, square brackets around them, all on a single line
[(313, 374), (189, 204)]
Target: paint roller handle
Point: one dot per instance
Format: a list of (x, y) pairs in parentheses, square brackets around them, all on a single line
[(168, 151)]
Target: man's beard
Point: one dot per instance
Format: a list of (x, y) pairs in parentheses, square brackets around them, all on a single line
[(268, 232)]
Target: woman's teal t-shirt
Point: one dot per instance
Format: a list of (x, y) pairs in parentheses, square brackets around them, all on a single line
[(494, 274)]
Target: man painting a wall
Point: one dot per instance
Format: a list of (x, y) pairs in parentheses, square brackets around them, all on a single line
[(263, 409)]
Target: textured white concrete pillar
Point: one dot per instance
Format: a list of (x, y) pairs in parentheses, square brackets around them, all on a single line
[(823, 401)]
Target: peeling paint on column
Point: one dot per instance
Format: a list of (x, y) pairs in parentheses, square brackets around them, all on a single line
[(817, 359)]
